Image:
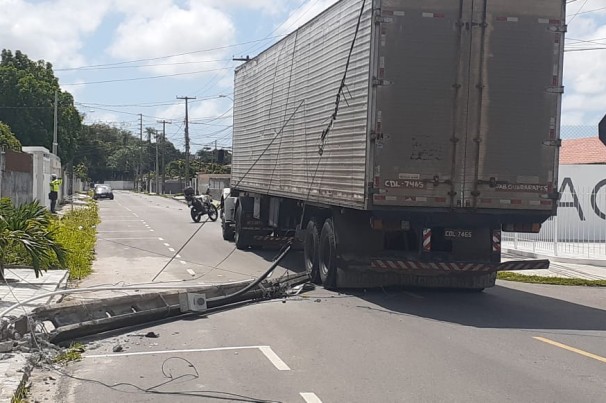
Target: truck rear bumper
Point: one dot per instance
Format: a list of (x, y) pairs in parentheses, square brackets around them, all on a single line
[(398, 265)]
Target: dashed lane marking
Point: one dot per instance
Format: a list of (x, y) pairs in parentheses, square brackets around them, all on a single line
[(273, 357), (171, 249), (166, 244), (183, 262), (132, 239), (191, 272), (310, 397), (571, 349), (119, 231)]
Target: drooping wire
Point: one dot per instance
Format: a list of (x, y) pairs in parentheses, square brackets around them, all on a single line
[(333, 117), (343, 85)]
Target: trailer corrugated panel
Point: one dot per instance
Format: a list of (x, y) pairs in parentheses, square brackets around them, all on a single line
[(284, 99), (468, 113)]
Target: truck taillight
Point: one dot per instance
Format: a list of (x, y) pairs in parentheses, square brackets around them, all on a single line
[(376, 224)]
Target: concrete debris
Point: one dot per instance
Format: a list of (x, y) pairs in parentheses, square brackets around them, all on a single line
[(117, 348), (152, 335)]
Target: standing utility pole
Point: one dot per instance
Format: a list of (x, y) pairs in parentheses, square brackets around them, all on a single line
[(186, 139), (157, 166), (141, 147), (164, 122), (55, 144)]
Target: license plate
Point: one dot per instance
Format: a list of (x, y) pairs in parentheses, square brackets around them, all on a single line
[(458, 233)]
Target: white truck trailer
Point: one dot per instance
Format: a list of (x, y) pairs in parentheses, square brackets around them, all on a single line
[(397, 138)]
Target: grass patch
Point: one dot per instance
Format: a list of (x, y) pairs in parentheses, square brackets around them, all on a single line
[(21, 394), (76, 232), (73, 353), (509, 276)]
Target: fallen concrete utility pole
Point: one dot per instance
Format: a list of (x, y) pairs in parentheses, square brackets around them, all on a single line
[(73, 320)]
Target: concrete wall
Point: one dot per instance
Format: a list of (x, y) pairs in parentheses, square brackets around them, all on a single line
[(120, 185), (44, 164), (16, 180), (214, 182)]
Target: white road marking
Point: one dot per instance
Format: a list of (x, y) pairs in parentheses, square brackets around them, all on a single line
[(266, 350), (166, 244), (310, 397), (135, 214), (160, 239), (151, 230), (178, 256), (273, 357), (111, 239), (171, 249), (191, 272), (133, 230), (183, 262)]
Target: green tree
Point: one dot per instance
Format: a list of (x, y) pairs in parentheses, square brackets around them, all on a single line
[(124, 161), (27, 96), (25, 230), (8, 141)]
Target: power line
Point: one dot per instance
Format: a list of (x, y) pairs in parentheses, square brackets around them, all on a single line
[(578, 12), (166, 56), (145, 78)]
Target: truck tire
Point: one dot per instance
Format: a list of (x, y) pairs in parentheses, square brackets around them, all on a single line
[(226, 230), (240, 236), (328, 255), (311, 251)]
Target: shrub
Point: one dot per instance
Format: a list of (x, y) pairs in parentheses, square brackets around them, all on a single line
[(76, 232)]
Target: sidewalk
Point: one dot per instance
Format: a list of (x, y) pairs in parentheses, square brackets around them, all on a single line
[(22, 285), (571, 268)]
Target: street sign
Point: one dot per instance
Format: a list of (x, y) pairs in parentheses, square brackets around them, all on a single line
[(602, 130)]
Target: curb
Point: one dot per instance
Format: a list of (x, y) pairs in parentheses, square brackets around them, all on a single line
[(557, 259), (16, 370), (15, 374)]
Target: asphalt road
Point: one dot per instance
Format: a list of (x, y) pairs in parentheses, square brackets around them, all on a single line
[(145, 239), (512, 343)]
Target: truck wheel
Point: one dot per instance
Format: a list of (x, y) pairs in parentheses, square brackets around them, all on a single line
[(311, 251), (239, 236), (328, 255), (228, 233)]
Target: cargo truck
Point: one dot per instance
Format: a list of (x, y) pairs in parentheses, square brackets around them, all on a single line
[(397, 139)]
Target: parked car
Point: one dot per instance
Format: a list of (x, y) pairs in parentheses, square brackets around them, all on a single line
[(103, 192)]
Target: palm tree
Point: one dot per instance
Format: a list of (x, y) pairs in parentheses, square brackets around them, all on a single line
[(26, 229)]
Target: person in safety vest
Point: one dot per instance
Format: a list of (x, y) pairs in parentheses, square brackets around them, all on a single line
[(55, 185)]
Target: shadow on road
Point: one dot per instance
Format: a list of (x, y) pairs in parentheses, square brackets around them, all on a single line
[(498, 307), (292, 262)]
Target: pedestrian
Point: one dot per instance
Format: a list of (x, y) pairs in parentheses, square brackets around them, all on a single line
[(55, 184)]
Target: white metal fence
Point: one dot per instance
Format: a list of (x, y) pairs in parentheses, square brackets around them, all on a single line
[(578, 230)]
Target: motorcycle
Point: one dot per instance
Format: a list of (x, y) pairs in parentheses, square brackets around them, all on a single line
[(200, 205)]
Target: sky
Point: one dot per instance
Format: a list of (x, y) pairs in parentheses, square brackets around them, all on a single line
[(122, 58)]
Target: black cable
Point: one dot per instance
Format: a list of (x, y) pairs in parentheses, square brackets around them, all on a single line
[(255, 283), (342, 85), (180, 249), (292, 65), (210, 394)]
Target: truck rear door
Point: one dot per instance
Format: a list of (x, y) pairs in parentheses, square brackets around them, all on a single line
[(466, 103)]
